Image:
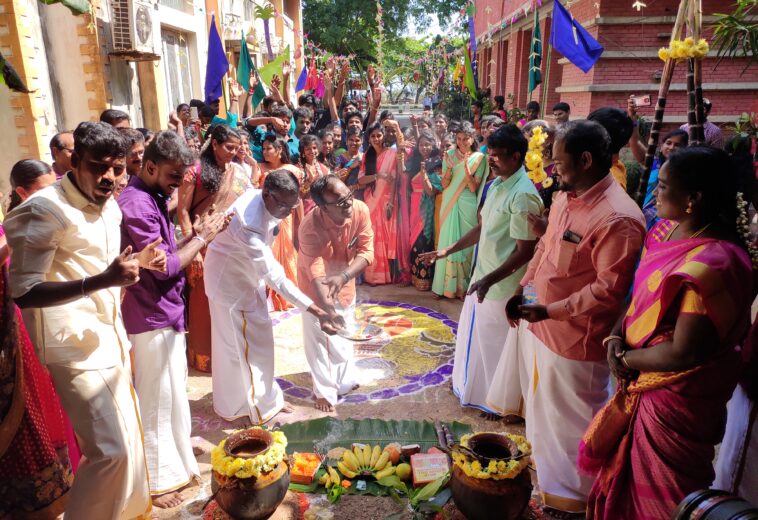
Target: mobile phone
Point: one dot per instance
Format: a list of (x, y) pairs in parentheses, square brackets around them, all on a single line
[(641, 101), (193, 113)]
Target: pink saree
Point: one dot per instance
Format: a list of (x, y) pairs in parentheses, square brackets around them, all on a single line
[(385, 229), (654, 445)]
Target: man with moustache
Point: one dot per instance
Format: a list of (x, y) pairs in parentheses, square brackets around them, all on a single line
[(61, 148), (581, 272), (505, 246), (239, 265), (153, 311), (66, 273), (336, 245), (134, 156)]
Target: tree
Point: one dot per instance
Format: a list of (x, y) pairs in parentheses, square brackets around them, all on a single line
[(349, 26), (400, 69)]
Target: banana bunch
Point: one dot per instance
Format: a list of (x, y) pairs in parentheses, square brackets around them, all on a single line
[(366, 461), (330, 478)]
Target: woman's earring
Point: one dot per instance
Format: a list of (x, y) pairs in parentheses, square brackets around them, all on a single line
[(689, 208)]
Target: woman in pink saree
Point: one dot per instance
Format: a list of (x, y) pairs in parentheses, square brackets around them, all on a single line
[(675, 353), (379, 172)]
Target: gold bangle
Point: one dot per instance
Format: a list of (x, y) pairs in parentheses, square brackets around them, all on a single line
[(609, 338)]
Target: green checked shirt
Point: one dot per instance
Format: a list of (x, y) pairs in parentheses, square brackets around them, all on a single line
[(504, 220)]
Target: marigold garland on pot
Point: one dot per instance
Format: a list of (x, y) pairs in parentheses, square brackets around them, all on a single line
[(229, 466), (495, 470)]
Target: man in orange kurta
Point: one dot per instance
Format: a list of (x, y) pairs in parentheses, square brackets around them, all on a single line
[(336, 245)]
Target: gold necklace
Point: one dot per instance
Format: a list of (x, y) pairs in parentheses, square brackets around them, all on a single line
[(700, 231), (693, 235)]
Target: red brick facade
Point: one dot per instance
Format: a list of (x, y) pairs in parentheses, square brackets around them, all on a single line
[(628, 65)]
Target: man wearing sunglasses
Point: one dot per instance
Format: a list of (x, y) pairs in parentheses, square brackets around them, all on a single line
[(336, 245), (239, 265)]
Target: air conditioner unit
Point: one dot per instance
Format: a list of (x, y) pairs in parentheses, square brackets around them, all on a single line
[(134, 26)]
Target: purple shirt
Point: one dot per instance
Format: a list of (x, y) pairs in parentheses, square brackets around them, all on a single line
[(155, 302)]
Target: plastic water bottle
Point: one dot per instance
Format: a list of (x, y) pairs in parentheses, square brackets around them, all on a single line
[(530, 294)]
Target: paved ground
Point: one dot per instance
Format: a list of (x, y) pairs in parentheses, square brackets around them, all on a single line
[(434, 403)]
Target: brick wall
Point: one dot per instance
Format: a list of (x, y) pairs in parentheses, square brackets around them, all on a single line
[(628, 65)]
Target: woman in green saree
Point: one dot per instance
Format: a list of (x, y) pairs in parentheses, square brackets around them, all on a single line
[(463, 172)]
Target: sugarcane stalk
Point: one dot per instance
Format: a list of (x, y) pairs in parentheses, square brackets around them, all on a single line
[(697, 8), (694, 127), (655, 128)]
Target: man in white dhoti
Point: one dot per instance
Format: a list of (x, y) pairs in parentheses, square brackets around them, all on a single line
[(505, 246), (238, 266), (581, 271), (738, 455), (66, 273), (153, 310), (336, 245)]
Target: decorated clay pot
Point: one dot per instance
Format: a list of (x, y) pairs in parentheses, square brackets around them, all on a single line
[(251, 498), (478, 498)]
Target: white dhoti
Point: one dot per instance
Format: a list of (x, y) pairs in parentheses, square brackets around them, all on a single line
[(329, 357), (561, 400), (111, 482), (160, 378), (242, 343), (513, 374), (482, 331), (738, 455)]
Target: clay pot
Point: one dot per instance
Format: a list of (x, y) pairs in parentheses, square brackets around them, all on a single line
[(251, 498), (477, 498)]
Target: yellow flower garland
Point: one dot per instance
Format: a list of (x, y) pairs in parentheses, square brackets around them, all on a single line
[(245, 468), (683, 49), (533, 160), (499, 470)]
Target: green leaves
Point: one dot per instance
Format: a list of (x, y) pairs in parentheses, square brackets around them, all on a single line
[(356, 31), (75, 6), (736, 34)]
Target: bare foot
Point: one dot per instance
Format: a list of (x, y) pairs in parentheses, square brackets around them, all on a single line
[(437, 296), (197, 448), (167, 500), (323, 405), (490, 416), (287, 408), (513, 419)]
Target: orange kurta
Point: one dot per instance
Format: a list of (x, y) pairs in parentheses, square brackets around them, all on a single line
[(327, 249)]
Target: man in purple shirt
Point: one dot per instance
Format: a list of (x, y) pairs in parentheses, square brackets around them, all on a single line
[(153, 312)]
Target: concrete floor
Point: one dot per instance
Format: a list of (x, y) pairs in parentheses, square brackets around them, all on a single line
[(434, 403)]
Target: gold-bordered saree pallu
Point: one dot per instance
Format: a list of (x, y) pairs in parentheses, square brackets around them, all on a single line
[(655, 444), (458, 216)]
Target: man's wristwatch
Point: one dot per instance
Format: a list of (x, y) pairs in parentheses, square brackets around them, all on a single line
[(345, 276)]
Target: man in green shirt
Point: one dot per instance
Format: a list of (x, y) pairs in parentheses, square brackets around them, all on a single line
[(505, 247)]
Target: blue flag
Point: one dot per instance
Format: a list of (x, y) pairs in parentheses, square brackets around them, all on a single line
[(303, 78), (217, 65), (569, 38)]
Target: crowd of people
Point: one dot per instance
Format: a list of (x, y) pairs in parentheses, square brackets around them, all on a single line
[(617, 333)]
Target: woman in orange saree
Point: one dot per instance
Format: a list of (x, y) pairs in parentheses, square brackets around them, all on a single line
[(277, 157), (379, 172), (675, 352), (213, 182)]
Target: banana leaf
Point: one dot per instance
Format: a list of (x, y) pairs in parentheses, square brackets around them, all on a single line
[(321, 435), (326, 433)]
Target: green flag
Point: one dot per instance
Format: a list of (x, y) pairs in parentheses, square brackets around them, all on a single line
[(535, 55), (275, 67), (244, 68), (468, 74)]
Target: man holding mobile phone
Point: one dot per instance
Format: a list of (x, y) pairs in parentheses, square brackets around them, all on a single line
[(581, 271)]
